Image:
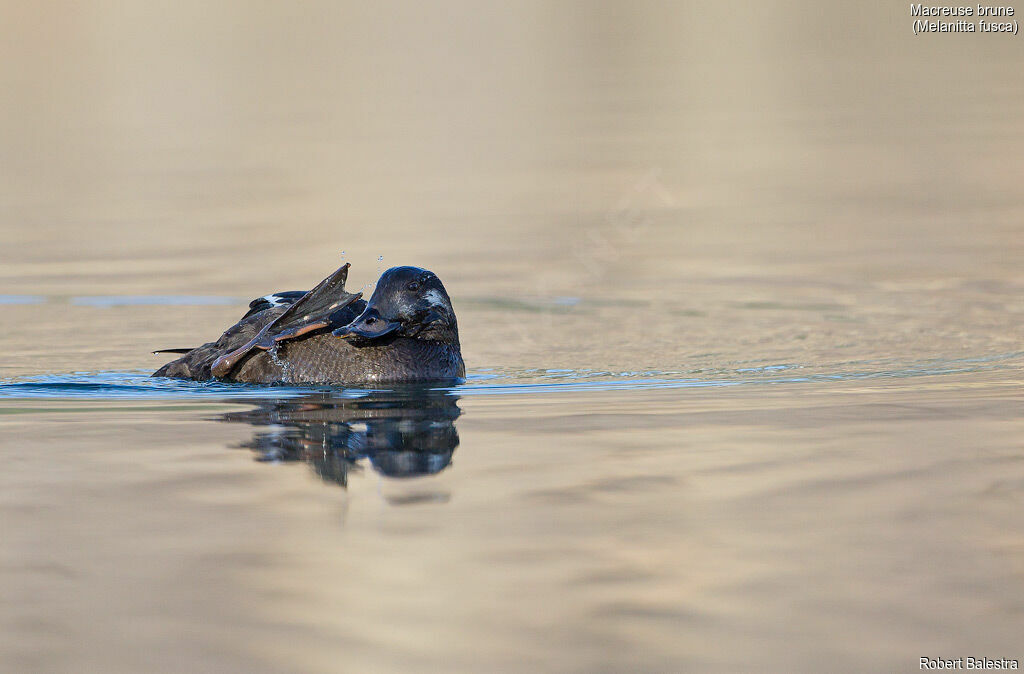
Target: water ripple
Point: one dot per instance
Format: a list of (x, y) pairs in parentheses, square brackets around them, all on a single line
[(137, 384)]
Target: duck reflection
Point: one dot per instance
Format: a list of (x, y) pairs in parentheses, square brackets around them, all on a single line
[(399, 433)]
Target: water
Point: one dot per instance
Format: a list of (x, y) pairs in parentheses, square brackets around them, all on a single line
[(493, 381), (741, 311)]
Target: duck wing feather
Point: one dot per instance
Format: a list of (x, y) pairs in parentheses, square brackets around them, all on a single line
[(325, 306)]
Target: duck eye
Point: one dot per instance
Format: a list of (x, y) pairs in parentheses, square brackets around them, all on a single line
[(370, 321), (413, 286)]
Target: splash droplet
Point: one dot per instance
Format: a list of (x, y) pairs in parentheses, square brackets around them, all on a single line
[(284, 365)]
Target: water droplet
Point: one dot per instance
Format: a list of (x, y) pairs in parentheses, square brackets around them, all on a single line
[(284, 365)]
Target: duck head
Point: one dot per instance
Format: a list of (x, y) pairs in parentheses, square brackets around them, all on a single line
[(407, 302)]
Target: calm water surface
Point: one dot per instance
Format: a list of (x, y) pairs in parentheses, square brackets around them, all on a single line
[(742, 314)]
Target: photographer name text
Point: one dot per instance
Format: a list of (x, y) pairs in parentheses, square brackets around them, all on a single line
[(967, 663)]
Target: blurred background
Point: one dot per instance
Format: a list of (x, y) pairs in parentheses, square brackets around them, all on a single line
[(736, 175)]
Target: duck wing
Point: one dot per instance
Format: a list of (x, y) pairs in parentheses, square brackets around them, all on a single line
[(281, 299), (284, 298), (325, 306), (272, 301), (195, 363)]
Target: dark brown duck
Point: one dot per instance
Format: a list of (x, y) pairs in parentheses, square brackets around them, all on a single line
[(407, 332)]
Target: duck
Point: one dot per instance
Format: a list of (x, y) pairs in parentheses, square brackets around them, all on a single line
[(406, 333)]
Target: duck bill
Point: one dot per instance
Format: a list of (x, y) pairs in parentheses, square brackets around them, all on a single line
[(375, 330)]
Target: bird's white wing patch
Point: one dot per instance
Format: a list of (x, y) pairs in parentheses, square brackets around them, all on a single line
[(276, 300)]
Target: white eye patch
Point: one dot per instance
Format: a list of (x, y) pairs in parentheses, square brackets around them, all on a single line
[(434, 298)]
